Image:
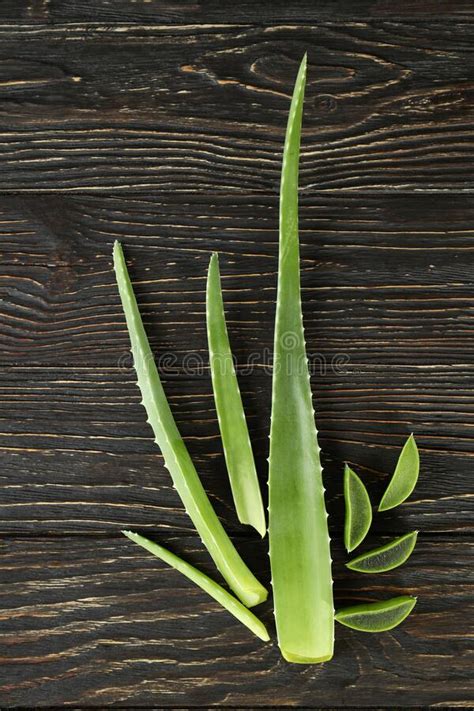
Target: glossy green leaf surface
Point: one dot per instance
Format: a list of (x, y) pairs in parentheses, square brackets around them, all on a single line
[(216, 591), (176, 456), (298, 532), (230, 412), (358, 510), (377, 616), (404, 477), (387, 557)]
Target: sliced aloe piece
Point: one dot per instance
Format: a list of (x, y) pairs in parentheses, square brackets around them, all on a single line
[(230, 411), (377, 616), (177, 460), (358, 510), (387, 557), (205, 583), (298, 532), (404, 477)]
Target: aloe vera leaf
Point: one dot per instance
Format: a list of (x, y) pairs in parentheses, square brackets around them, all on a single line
[(216, 591), (404, 477), (230, 412), (176, 457), (377, 616), (387, 557), (298, 532), (358, 510)]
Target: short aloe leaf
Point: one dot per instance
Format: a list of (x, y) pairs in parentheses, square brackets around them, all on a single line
[(216, 591), (358, 510), (404, 477), (175, 454), (298, 532), (230, 412), (387, 557), (377, 616)]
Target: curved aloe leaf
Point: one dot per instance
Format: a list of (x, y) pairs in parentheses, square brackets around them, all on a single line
[(212, 588), (387, 557), (175, 454), (230, 412), (404, 477), (377, 616), (298, 532), (358, 510)]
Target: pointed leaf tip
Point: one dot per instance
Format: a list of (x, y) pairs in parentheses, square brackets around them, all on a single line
[(404, 477)]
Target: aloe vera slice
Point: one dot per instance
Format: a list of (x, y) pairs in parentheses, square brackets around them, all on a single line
[(216, 591), (404, 477), (230, 412), (177, 460), (298, 532), (387, 557), (377, 616), (358, 510)]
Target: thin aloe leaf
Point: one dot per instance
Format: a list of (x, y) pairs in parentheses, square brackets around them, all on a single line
[(404, 477), (230, 412), (298, 532), (216, 591), (176, 457), (377, 616), (386, 557), (358, 510)]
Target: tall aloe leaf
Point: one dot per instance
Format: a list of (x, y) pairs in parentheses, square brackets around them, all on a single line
[(230, 412), (298, 532), (175, 454)]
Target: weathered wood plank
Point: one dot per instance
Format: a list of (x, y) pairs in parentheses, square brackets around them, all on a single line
[(78, 456), (204, 11), (103, 623), (196, 108), (386, 279)]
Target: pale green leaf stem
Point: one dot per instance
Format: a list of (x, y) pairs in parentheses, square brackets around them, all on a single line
[(230, 412), (216, 591), (298, 532), (404, 477), (176, 456), (387, 557), (358, 510), (377, 616)]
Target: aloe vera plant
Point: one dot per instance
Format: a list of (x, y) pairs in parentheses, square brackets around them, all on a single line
[(404, 477), (230, 412), (176, 456), (298, 532), (377, 616), (387, 557), (216, 591), (358, 510)]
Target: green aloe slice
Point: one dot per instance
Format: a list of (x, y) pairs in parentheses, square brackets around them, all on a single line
[(404, 477), (216, 591), (298, 532), (387, 557), (377, 616), (230, 412), (358, 510), (176, 456)]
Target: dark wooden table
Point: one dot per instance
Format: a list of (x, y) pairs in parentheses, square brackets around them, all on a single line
[(161, 124)]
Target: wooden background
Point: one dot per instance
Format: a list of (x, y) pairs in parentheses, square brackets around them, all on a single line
[(161, 124)]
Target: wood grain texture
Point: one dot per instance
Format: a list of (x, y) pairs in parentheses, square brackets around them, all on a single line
[(161, 124), (203, 107), (387, 278), (204, 11), (78, 455), (94, 623)]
